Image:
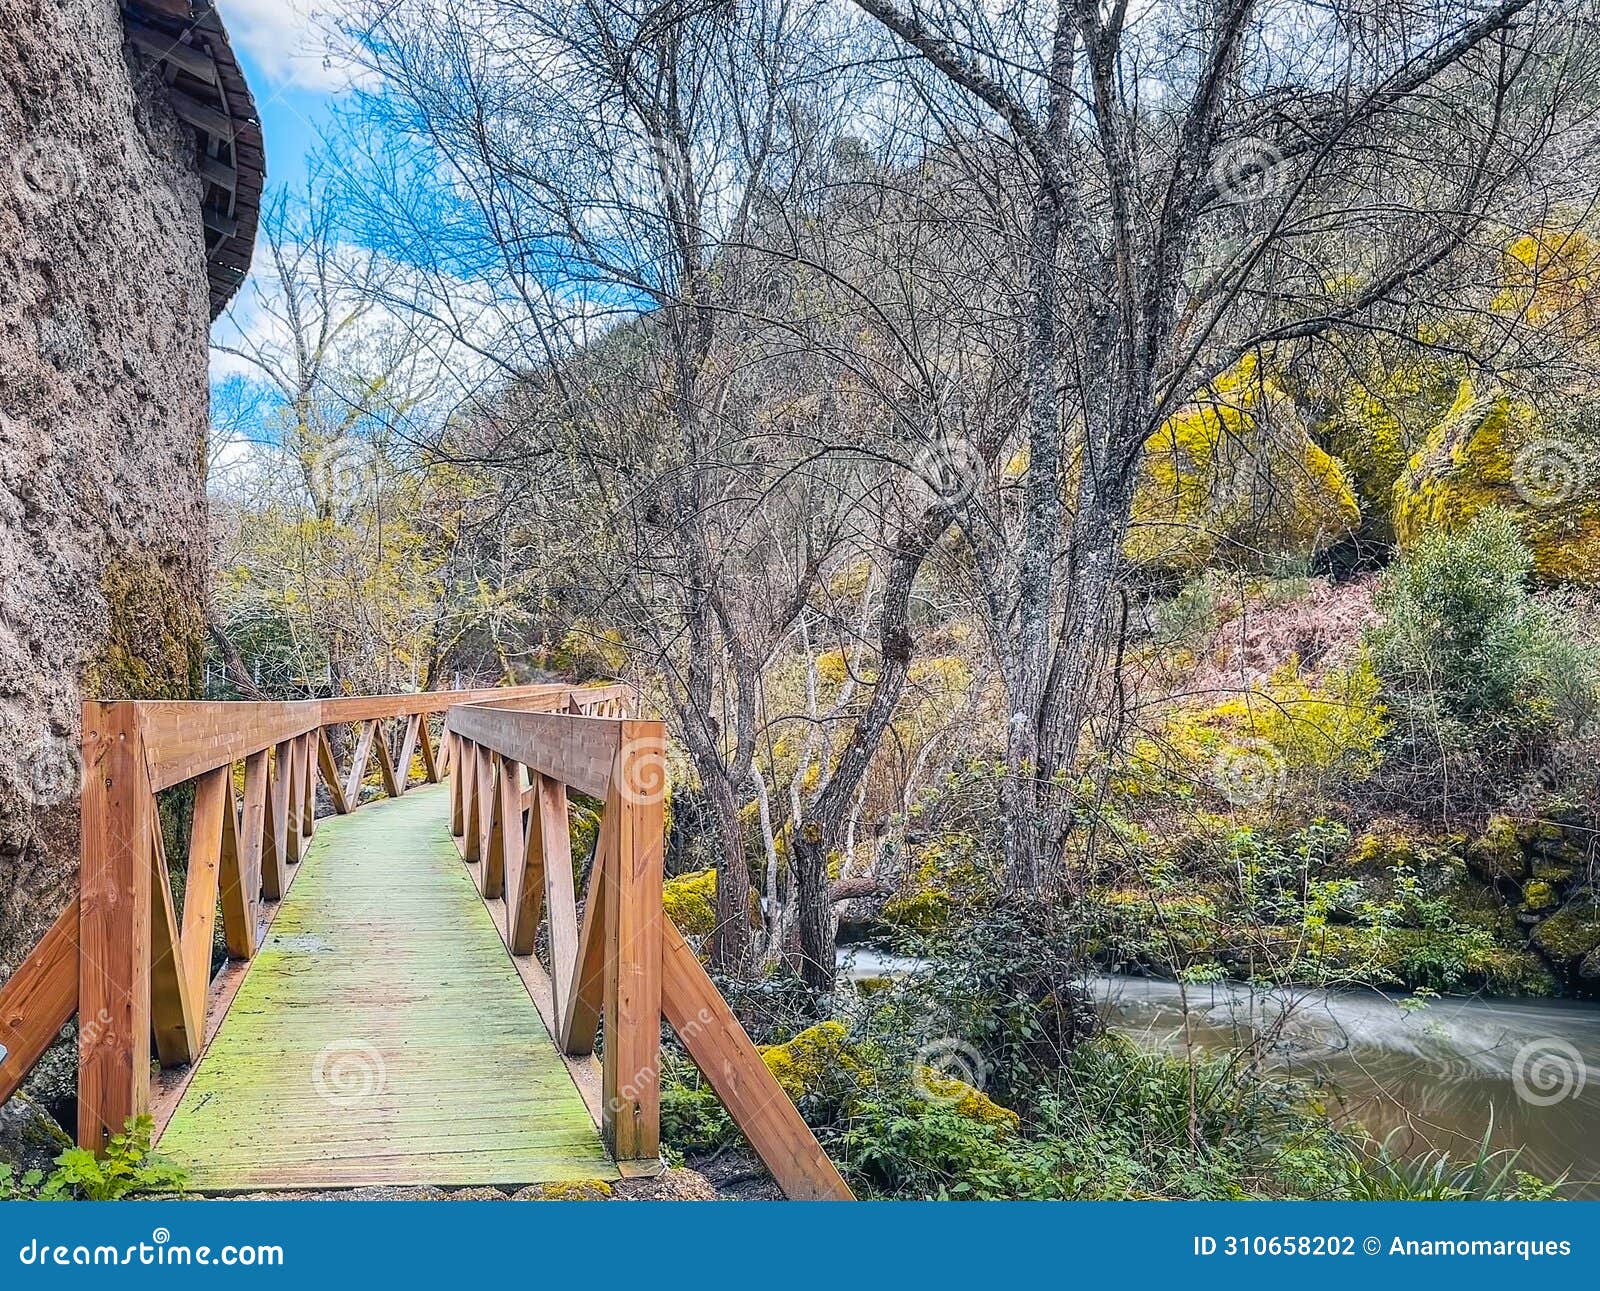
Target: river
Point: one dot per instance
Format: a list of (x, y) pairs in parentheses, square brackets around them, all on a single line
[(1434, 1073)]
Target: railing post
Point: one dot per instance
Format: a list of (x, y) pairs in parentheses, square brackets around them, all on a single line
[(114, 891), (632, 1011)]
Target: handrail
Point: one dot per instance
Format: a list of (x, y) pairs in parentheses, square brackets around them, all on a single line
[(624, 966), (133, 966)]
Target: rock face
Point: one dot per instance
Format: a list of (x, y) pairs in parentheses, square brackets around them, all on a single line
[(103, 414), (1234, 478), (1494, 449)]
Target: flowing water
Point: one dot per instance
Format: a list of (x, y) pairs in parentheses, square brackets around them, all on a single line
[(1434, 1074)]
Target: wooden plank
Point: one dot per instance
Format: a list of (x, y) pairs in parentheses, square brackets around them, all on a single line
[(632, 1064), (560, 899), (513, 840), (38, 1000), (308, 784), (408, 748), (330, 773), (363, 708), (472, 806), (430, 764), (525, 902), (391, 785), (217, 124), (501, 830), (457, 797), (578, 751), (275, 834), (187, 738), (203, 879), (585, 992), (358, 763), (734, 1067), (296, 794), (169, 49), (286, 802), (173, 1010), (483, 797), (255, 830), (238, 894), (382, 1034), (116, 818)]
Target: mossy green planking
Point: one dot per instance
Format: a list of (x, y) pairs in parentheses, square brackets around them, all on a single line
[(382, 1034)]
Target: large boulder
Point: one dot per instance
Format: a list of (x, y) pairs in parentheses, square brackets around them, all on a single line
[(1235, 478), (1493, 448)]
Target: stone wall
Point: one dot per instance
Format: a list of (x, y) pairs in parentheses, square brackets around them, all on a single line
[(103, 413)]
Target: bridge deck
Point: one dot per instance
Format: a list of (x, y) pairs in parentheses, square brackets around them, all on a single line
[(382, 1035)]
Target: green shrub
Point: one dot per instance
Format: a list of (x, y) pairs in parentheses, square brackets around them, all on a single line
[(128, 1166), (1476, 672)]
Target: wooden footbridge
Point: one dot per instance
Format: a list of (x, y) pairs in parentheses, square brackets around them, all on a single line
[(413, 988)]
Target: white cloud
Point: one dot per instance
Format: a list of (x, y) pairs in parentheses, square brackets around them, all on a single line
[(288, 39)]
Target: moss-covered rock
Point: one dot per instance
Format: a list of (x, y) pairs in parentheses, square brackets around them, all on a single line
[(967, 1100), (811, 1063), (574, 1190), (1497, 852), (1571, 934), (1494, 449), (690, 901), (1380, 419), (1539, 895), (1235, 475), (156, 631)]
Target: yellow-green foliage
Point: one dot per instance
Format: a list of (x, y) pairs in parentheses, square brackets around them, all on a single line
[(1288, 723), (943, 871), (810, 1062), (1234, 474), (967, 1100), (691, 902), (1550, 278), (1382, 418), (576, 1190), (1493, 449)]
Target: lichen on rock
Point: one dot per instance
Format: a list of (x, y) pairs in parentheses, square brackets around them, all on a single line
[(1235, 477), (1494, 449)]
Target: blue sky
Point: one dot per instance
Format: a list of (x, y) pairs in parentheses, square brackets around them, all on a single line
[(283, 55)]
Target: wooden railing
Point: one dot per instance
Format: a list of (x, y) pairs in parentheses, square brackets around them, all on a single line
[(137, 970), (623, 966)]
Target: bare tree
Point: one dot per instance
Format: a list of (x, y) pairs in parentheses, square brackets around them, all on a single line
[(1187, 170)]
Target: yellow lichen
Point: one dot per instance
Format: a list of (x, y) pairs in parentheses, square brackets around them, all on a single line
[(690, 901), (1494, 449), (1234, 474), (967, 1100)]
